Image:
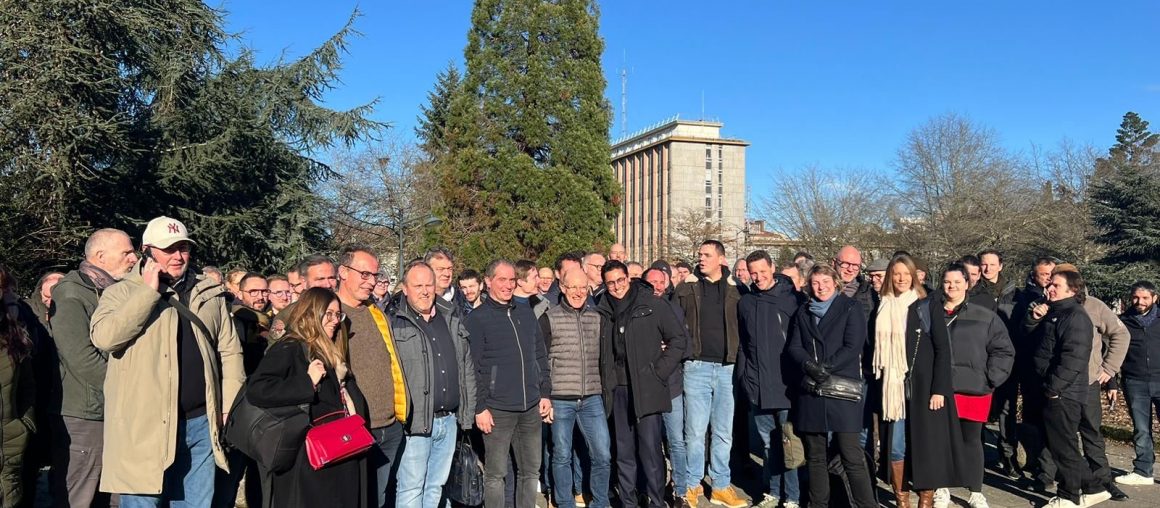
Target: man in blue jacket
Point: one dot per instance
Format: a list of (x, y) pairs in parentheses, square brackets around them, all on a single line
[(512, 386), (763, 319)]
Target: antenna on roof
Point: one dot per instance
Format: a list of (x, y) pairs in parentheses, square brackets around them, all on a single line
[(624, 95), (702, 105)]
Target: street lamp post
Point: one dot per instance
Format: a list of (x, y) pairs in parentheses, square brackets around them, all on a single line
[(400, 229)]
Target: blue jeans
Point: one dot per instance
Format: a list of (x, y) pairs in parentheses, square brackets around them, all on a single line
[(897, 440), (425, 464), (588, 413), (675, 436), (1142, 396), (188, 483), (382, 461), (769, 426), (708, 403)]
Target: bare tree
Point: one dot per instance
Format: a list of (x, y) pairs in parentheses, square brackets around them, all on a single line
[(689, 229), (381, 191), (827, 208), (957, 191), (1065, 173)]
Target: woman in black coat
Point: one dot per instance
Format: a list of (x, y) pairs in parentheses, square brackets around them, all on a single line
[(981, 359), (308, 367), (828, 334), (932, 420)]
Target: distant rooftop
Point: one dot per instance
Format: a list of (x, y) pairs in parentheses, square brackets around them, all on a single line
[(672, 127)]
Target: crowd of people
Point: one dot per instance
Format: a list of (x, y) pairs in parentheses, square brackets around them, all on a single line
[(595, 381)]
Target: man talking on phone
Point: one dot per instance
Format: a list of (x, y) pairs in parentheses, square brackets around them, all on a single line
[(166, 391)]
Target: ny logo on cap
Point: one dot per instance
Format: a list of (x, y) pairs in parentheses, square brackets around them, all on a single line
[(174, 228)]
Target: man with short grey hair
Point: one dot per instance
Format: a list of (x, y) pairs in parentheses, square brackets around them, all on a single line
[(78, 424), (448, 297)]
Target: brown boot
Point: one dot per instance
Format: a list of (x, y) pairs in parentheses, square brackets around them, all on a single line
[(898, 482), (926, 499)]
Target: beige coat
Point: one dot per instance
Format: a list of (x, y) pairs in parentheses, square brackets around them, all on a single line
[(138, 327), (1110, 339)]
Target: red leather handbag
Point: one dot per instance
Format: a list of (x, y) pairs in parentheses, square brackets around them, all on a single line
[(337, 440)]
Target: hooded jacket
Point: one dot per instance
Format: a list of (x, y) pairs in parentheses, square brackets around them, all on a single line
[(138, 327), (689, 295), (82, 365), (764, 318)]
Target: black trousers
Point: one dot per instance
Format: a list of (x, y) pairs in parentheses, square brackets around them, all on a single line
[(853, 461), (972, 459), (638, 451), (1089, 434), (1061, 420), (519, 433), (1004, 406), (1039, 459)]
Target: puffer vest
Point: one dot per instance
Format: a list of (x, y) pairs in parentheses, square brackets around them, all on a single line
[(574, 355)]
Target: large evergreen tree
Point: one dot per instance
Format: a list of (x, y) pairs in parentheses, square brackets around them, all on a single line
[(113, 113), (433, 116), (528, 173)]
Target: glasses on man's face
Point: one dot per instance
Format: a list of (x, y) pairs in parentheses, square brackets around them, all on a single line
[(846, 265), (383, 281), (254, 293), (333, 316), (282, 294), (574, 288), (363, 275), (621, 282)]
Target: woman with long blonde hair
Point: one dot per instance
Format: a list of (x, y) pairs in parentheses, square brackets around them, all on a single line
[(308, 366)]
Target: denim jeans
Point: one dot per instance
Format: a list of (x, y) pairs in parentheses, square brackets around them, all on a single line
[(708, 403), (383, 461), (897, 440), (588, 413), (188, 483), (517, 432), (675, 437), (425, 464), (769, 425), (1142, 396)]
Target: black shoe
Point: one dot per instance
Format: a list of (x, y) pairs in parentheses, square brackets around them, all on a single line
[(1042, 486), (1006, 467), (1117, 494)]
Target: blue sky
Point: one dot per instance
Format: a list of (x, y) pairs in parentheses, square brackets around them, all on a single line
[(838, 84)]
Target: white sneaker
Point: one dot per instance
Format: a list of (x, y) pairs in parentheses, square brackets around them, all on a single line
[(977, 500), (942, 498), (790, 504), (1094, 499), (1134, 478), (1059, 502), (767, 502)]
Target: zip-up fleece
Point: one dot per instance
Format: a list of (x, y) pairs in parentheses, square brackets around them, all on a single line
[(82, 365), (511, 362), (572, 338)]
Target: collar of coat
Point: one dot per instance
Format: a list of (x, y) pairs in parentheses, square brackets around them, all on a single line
[(696, 276)]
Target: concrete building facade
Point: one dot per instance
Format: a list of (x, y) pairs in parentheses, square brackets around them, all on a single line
[(667, 173)]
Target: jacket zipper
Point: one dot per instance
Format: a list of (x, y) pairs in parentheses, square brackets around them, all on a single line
[(520, 348), (583, 357)]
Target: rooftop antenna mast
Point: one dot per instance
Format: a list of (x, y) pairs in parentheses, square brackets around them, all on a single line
[(624, 96), (702, 105)]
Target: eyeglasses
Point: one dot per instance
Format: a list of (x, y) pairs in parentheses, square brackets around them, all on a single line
[(574, 288), (383, 281), (363, 275), (285, 294), (333, 316), (254, 293), (623, 281), (847, 264)]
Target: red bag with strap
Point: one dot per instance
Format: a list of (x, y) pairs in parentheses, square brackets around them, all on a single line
[(337, 440)]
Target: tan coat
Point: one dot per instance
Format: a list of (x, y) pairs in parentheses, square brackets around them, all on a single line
[(1109, 334), (138, 327)]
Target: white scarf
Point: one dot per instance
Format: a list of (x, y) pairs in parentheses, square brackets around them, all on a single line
[(890, 352)]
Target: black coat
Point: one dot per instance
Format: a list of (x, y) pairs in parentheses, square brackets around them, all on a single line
[(647, 325), (981, 352), (764, 319), (836, 341), (1143, 359), (511, 362), (1064, 336), (932, 436), (281, 381)]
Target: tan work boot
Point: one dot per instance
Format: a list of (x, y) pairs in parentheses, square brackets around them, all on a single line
[(693, 495), (728, 497)]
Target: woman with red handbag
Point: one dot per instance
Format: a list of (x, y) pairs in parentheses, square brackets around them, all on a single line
[(981, 357), (320, 379)]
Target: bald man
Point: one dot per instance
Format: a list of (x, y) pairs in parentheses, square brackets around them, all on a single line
[(618, 253), (79, 425)]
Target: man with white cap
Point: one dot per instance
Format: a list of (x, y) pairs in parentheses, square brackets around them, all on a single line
[(175, 367)]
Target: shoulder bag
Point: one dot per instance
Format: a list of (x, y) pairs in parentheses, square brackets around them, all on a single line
[(337, 440)]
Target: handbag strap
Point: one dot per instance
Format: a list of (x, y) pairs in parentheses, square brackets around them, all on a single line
[(328, 415), (186, 313)]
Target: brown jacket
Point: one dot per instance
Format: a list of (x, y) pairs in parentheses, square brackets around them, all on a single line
[(1110, 339), (138, 328)]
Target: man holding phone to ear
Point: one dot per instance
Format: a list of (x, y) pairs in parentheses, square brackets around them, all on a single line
[(166, 391)]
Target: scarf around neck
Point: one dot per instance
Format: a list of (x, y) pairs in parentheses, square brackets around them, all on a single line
[(101, 279), (890, 352), (819, 308)]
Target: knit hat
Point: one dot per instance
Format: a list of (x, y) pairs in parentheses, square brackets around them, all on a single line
[(663, 266)]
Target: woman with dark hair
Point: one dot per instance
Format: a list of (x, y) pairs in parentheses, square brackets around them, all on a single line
[(308, 366), (981, 359), (891, 366), (17, 393), (827, 337)]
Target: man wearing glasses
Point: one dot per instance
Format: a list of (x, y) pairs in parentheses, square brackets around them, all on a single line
[(373, 359), (281, 293)]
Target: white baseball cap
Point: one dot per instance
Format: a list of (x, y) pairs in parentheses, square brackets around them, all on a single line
[(163, 232)]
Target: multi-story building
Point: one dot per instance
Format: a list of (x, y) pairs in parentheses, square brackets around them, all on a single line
[(674, 173)]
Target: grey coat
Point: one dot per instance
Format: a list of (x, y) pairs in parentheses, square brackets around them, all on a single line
[(572, 338), (411, 346)]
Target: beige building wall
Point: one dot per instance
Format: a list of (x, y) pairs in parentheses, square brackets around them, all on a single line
[(672, 167)]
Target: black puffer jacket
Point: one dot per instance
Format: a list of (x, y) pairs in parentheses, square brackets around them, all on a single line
[(1064, 336), (764, 318), (982, 355), (511, 363)]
